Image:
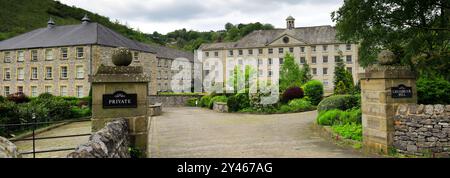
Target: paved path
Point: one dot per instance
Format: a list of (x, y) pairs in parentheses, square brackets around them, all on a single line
[(199, 133), (69, 129)]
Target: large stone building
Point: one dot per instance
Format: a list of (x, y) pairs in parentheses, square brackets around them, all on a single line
[(316, 45), (165, 71), (60, 59)]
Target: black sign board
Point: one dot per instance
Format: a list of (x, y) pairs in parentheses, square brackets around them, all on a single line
[(401, 91), (120, 99)]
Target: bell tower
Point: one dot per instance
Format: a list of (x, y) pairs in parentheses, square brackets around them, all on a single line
[(290, 21)]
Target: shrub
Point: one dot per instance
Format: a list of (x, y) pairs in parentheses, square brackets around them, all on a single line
[(329, 117), (292, 93), (2, 99), (339, 117), (238, 102), (18, 98), (45, 96), (433, 90), (285, 109), (314, 91), (342, 102), (300, 105), (77, 112), (204, 101), (191, 102), (349, 131), (233, 104), (222, 99)]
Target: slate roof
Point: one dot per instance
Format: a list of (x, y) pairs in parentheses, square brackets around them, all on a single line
[(170, 53), (262, 38), (72, 35)]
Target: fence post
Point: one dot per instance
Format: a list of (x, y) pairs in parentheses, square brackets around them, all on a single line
[(34, 128)]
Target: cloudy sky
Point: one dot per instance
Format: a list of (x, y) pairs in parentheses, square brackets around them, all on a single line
[(204, 15)]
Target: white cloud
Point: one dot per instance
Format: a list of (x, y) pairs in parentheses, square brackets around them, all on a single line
[(204, 15)]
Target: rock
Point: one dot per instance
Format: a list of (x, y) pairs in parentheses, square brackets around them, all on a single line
[(386, 57), (110, 142), (8, 149), (439, 109), (420, 109), (432, 139), (429, 110), (402, 109), (447, 108), (411, 148)]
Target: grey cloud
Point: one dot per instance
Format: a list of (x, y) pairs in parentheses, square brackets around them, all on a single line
[(186, 10)]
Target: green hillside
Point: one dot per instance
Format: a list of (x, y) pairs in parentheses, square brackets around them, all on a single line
[(17, 17)]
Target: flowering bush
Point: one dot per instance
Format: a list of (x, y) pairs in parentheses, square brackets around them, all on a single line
[(292, 93)]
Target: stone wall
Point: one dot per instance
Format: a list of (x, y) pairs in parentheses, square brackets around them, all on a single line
[(110, 142), (423, 130), (8, 149), (220, 107), (172, 100)]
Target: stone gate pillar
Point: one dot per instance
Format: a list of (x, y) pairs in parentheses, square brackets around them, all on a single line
[(383, 89), (122, 92)]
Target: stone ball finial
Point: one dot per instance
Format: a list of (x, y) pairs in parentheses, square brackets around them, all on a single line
[(122, 57), (386, 57)]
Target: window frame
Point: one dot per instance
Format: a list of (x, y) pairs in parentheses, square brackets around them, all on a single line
[(34, 93), (314, 71), (20, 90), (61, 90), (78, 91), (64, 52), (33, 75), (4, 90), (33, 59), (7, 57), (313, 60), (46, 72), (302, 60), (325, 59), (61, 73), (78, 72), (5, 71), (21, 58), (136, 56), (48, 86), (78, 52), (46, 55), (19, 74)]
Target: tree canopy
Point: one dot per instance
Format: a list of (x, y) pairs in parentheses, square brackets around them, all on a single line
[(289, 73), (418, 32), (17, 18)]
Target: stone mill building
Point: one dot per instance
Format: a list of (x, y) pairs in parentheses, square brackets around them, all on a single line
[(60, 59)]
